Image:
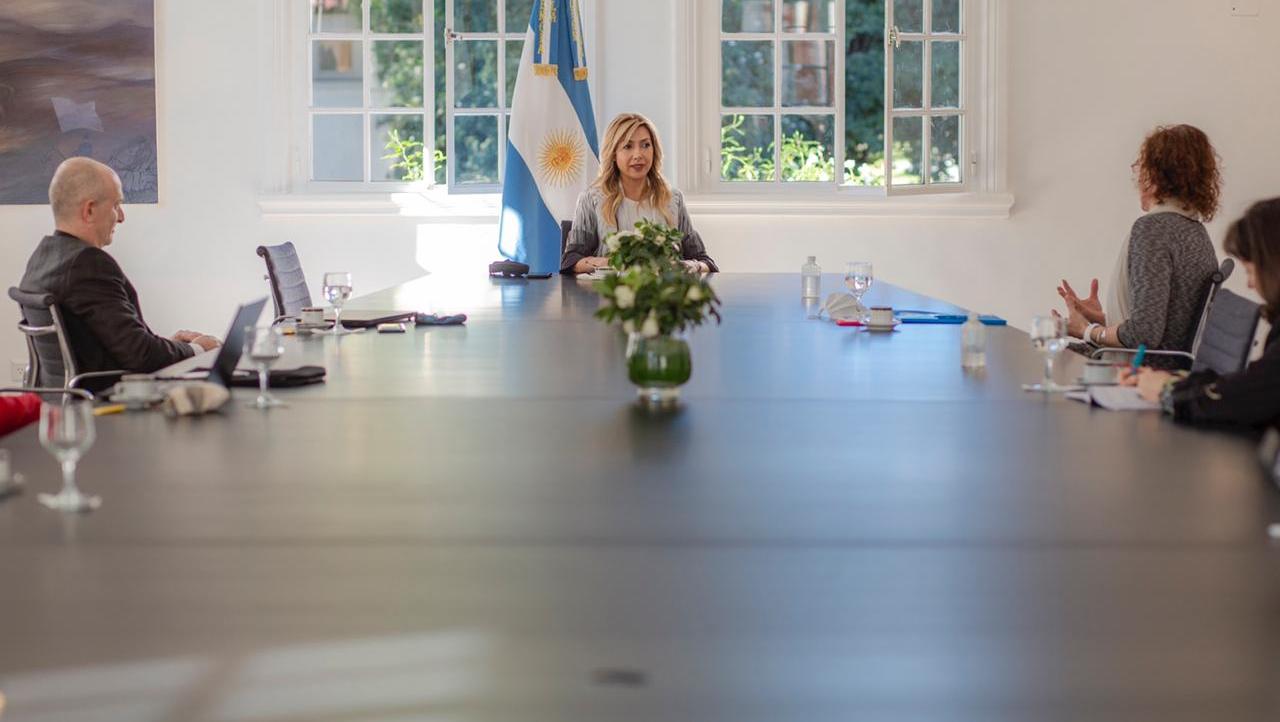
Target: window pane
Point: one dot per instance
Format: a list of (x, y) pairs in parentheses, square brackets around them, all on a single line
[(337, 74), (748, 73), (398, 152), (336, 16), (746, 148), (476, 145), (440, 69), (747, 16), (808, 16), (395, 16), (337, 148), (908, 15), (908, 81), (398, 74), (807, 66), (946, 16), (944, 156), (514, 49), (519, 12), (807, 150), (908, 151), (475, 63), (474, 16), (864, 92), (945, 84)]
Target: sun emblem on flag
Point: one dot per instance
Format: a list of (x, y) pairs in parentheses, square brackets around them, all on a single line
[(560, 159)]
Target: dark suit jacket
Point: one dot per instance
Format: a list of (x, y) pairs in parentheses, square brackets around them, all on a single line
[(100, 308), (1250, 398)]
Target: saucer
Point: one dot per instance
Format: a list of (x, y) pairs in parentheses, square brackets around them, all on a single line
[(881, 328), (137, 402)]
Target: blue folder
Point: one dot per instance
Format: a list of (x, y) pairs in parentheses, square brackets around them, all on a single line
[(947, 318)]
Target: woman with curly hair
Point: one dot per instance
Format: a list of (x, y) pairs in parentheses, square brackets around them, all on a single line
[(1165, 268), (1250, 398), (630, 188)]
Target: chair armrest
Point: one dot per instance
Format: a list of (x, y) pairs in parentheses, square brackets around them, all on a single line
[(42, 390), (75, 380), (1132, 351)]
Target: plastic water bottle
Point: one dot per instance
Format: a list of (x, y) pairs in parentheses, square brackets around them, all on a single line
[(973, 343), (811, 279)]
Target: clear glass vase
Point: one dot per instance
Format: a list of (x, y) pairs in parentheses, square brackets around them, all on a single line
[(658, 366)]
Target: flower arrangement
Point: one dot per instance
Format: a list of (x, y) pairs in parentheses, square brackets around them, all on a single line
[(649, 245), (656, 302)]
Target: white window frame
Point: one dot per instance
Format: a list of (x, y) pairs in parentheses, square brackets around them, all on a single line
[(285, 188), (983, 192)]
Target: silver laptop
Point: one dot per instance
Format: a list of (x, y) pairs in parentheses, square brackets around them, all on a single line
[(218, 364)]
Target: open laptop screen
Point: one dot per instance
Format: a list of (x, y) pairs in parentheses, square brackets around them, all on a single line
[(233, 345)]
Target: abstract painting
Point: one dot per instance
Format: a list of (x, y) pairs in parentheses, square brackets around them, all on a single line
[(77, 78)]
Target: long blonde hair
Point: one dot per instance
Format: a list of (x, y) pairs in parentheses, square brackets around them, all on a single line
[(657, 194)]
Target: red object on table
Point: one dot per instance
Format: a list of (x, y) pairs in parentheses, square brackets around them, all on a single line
[(18, 411)]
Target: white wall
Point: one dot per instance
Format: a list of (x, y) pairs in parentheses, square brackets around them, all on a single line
[(1087, 79)]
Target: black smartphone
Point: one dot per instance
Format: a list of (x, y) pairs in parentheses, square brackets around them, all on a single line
[(537, 275)]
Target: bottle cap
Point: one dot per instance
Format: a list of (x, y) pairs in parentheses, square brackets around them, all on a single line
[(812, 259)]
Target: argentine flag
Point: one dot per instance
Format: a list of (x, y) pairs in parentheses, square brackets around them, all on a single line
[(552, 151)]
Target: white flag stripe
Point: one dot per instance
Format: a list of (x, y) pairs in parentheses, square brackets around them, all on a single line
[(540, 108)]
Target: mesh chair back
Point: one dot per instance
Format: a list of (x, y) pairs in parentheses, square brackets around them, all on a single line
[(288, 282), (49, 360), (1227, 333)]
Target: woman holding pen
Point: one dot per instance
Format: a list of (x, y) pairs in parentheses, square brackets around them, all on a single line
[(1251, 397)]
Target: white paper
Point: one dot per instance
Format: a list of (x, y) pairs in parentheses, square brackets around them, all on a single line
[(1114, 398)]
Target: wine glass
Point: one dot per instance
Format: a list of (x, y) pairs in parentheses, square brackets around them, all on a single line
[(858, 277), (1049, 337), (263, 345), (337, 289), (66, 430)]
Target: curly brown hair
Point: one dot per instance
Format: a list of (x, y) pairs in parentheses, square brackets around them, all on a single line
[(1255, 238), (1180, 165)]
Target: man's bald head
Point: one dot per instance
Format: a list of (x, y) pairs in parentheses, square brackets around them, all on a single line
[(78, 180), (85, 196)]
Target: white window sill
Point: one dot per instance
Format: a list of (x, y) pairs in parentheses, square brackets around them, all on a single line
[(950, 205), (431, 206), (440, 207)]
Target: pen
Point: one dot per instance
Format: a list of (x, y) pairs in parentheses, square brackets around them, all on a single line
[(110, 409), (1137, 358)]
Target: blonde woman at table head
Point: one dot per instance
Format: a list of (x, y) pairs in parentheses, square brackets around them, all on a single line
[(629, 188)]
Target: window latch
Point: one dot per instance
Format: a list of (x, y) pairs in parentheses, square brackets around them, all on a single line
[(895, 37), (450, 36)]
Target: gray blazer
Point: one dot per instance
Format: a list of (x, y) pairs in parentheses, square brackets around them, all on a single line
[(100, 307), (589, 228)]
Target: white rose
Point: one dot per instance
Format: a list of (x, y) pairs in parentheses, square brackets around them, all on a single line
[(694, 294), (650, 327), (629, 326), (612, 242), (625, 297)]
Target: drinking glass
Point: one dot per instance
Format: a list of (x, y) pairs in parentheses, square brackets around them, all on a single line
[(337, 289), (858, 277), (66, 430), (1049, 337), (264, 345)]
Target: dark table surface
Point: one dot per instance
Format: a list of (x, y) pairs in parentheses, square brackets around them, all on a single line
[(477, 523)]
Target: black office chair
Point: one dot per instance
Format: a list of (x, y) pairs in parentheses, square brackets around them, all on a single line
[(288, 282), (566, 227), (50, 361), (1225, 333)]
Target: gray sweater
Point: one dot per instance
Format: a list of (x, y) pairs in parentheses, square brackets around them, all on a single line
[(1171, 264)]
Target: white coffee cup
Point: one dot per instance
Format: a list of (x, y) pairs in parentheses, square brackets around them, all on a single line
[(1099, 372), (135, 386), (881, 316), (312, 316)]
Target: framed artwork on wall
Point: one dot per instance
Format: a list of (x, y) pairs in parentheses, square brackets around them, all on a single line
[(77, 78)]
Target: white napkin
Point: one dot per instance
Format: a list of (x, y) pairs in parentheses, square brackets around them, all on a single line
[(196, 398), (840, 307)]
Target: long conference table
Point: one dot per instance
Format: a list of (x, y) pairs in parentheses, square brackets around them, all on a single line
[(478, 523)]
